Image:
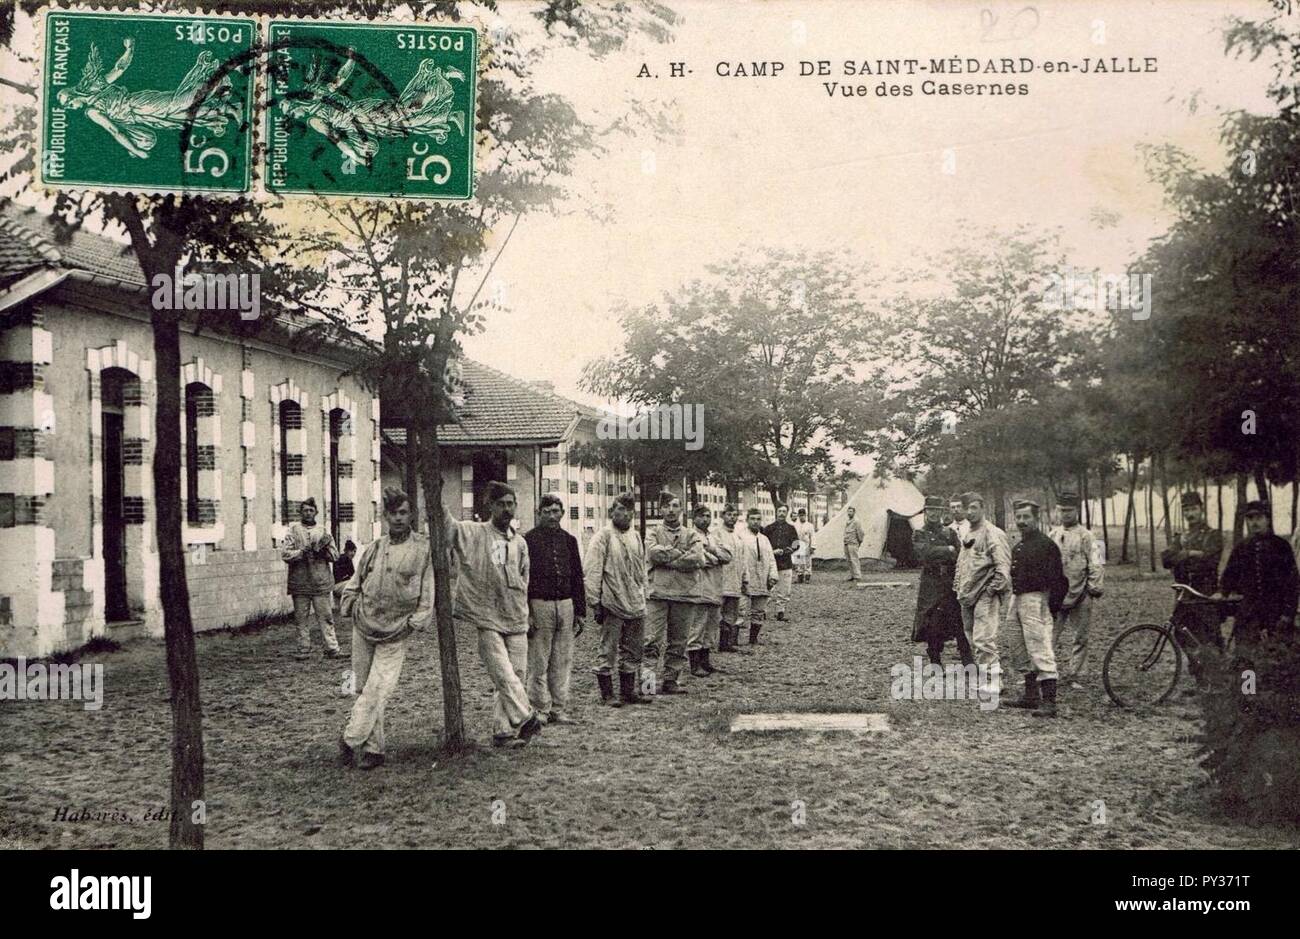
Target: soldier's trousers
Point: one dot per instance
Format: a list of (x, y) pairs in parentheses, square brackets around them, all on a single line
[(1030, 623), (781, 591), (851, 555), (752, 608), (505, 658), (704, 629), (550, 654), (667, 626), (622, 643), (323, 604), (1074, 622), (981, 623), (376, 666), (731, 610)]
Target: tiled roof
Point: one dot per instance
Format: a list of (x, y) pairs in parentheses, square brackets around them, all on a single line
[(501, 410), (87, 251), (22, 252)]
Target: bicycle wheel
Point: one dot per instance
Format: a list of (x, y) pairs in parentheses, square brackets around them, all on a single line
[(1142, 666)]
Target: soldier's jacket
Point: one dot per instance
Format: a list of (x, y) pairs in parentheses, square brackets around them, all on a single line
[(734, 569), (1262, 569), (984, 565), (757, 563), (1082, 561), (674, 557), (1200, 573), (717, 558)]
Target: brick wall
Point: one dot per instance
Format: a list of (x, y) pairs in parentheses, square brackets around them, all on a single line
[(229, 587)]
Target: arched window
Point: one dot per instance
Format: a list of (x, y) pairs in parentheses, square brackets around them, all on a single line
[(291, 458), (199, 454)]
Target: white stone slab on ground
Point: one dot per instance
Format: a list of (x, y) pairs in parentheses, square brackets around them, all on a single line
[(850, 723), (883, 583)]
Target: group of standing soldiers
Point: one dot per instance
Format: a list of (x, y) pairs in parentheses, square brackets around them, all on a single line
[(1046, 584), (662, 606)]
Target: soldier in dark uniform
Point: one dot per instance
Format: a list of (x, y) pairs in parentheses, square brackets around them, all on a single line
[(1263, 571), (1194, 559), (938, 617)]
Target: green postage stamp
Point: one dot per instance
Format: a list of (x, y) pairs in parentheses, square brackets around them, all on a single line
[(147, 103), (363, 109)]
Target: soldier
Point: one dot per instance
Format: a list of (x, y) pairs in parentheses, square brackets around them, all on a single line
[(729, 538), (853, 536), (389, 596), (1194, 559), (708, 607), (982, 581), (758, 573), (1038, 586), (309, 551), (938, 616), (1083, 569), (615, 588), (557, 603), (784, 539), (675, 554), (1263, 571), (491, 561), (803, 557)]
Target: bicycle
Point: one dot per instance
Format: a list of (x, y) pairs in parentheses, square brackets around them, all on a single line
[(1143, 664)]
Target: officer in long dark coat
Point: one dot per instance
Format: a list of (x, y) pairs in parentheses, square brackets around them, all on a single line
[(1263, 571), (1194, 559), (938, 617)]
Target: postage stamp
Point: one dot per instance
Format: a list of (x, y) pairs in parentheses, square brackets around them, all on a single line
[(147, 103), (362, 109)]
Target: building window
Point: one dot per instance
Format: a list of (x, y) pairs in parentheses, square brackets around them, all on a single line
[(591, 513), (573, 511), (550, 457), (573, 490), (291, 461), (200, 454), (591, 489), (609, 489)]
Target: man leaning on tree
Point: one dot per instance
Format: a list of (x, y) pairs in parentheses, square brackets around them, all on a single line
[(491, 560)]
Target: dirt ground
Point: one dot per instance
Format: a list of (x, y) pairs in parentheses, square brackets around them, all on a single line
[(663, 776)]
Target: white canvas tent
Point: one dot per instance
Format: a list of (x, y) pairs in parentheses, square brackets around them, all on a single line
[(870, 500)]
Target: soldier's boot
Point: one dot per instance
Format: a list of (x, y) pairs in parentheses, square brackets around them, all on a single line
[(1030, 699), (627, 689), (670, 686), (753, 633), (606, 683), (1048, 707), (697, 663), (724, 637), (708, 665)]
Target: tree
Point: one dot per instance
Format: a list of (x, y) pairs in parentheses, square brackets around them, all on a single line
[(768, 343), (955, 365)]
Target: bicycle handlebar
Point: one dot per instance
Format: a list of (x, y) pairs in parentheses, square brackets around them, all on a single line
[(1183, 590)]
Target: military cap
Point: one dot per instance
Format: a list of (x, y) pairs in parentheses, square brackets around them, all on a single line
[(1068, 500), (935, 502), (1025, 504), (1190, 498), (970, 497), (1257, 507)]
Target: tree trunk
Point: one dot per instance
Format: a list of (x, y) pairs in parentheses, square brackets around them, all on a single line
[(1218, 502), (1130, 512), (178, 628), (1239, 520), (1261, 485), (1000, 506), (1083, 495), (1164, 497), (640, 499), (1295, 495), (1151, 510), (1101, 502), (453, 720), (412, 481)]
